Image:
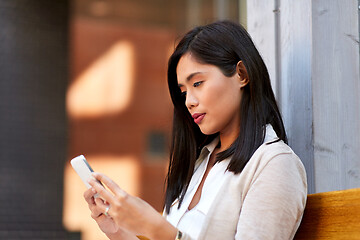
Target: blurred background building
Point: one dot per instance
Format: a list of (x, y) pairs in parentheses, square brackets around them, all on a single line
[(118, 106), (89, 77), (86, 77)]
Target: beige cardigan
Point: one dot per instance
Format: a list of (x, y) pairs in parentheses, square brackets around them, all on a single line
[(265, 201)]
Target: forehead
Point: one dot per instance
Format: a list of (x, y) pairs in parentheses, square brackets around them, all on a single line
[(188, 65)]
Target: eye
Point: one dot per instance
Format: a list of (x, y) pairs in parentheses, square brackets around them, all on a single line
[(196, 84), (183, 94)]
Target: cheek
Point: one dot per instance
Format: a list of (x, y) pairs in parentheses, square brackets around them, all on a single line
[(223, 98), (216, 94), (223, 106)]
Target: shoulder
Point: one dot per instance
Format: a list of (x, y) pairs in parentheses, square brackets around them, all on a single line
[(274, 163), (274, 151), (278, 147), (278, 158), (274, 179)]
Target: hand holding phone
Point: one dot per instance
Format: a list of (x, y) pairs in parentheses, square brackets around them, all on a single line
[(82, 168)]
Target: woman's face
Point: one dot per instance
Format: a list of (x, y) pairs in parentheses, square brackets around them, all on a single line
[(212, 99)]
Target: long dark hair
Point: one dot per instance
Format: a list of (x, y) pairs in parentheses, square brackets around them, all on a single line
[(222, 44)]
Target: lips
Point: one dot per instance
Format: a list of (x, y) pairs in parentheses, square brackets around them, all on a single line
[(198, 117)]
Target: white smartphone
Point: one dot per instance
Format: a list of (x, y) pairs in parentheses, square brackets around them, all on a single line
[(82, 168)]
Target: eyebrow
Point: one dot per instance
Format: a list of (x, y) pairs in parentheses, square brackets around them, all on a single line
[(190, 77)]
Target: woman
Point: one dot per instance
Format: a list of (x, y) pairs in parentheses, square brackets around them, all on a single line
[(231, 173)]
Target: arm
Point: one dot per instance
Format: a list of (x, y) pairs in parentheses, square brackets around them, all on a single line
[(274, 204)]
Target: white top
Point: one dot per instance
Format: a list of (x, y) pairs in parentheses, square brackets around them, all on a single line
[(192, 222)]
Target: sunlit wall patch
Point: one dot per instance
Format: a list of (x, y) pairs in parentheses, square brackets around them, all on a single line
[(106, 86)]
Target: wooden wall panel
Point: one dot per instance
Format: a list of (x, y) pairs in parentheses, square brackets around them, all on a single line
[(261, 26), (336, 94), (296, 96), (319, 91), (286, 48)]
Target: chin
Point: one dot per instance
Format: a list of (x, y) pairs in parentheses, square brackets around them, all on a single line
[(207, 131)]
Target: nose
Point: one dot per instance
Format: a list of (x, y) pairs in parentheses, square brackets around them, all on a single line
[(191, 100)]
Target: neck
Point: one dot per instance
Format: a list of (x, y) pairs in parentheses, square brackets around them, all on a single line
[(227, 139)]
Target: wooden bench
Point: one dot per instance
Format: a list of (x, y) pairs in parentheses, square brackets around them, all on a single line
[(331, 215)]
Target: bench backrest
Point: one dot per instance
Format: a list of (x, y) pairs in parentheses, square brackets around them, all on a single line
[(331, 215)]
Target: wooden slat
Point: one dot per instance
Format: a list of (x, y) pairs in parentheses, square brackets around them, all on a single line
[(142, 237), (331, 215)]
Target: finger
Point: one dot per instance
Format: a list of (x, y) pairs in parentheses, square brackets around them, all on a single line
[(89, 196), (98, 208), (105, 194), (97, 216), (103, 207), (109, 183), (96, 211)]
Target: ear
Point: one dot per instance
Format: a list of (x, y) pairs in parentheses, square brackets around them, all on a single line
[(242, 73)]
